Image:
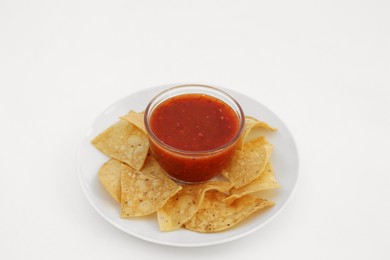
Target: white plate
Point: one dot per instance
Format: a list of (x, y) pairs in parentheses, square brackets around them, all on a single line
[(284, 160)]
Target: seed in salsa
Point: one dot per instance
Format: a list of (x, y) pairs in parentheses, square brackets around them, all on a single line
[(194, 122)]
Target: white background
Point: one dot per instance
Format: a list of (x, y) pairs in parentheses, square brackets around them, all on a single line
[(321, 66)]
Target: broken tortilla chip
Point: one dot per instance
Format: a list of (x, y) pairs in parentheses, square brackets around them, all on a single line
[(183, 205), (144, 193), (266, 181), (124, 142), (248, 163), (110, 176), (136, 118), (216, 215)]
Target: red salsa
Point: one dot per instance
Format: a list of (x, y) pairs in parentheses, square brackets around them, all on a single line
[(194, 122), (197, 125)]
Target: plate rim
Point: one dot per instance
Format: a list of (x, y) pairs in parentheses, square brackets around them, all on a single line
[(174, 244)]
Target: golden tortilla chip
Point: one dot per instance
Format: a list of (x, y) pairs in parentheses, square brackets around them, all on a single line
[(183, 205), (252, 129), (110, 176), (248, 163), (265, 181), (216, 215), (144, 193), (151, 166), (124, 142), (135, 118)]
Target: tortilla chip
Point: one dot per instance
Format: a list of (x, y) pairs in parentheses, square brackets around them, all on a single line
[(124, 142), (144, 193), (135, 118), (248, 163), (151, 166), (253, 129), (265, 181), (110, 176), (183, 205), (216, 215)]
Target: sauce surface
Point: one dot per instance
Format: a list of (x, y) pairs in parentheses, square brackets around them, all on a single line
[(194, 122)]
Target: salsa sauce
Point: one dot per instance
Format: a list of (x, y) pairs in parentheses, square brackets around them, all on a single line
[(194, 122), (197, 125)]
